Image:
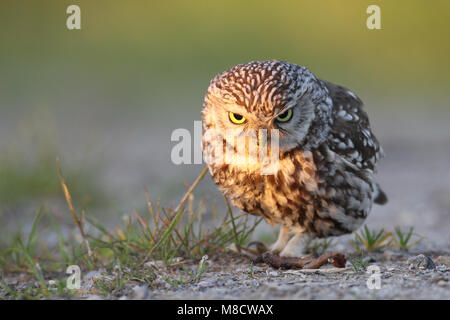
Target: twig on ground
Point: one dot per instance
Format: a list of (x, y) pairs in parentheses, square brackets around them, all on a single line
[(337, 259)]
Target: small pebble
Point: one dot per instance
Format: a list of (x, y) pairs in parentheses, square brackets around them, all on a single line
[(443, 260), (157, 264), (141, 292), (421, 262), (206, 284), (442, 283), (272, 273), (93, 275)]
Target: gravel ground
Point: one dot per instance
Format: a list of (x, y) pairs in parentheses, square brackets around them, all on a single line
[(402, 276)]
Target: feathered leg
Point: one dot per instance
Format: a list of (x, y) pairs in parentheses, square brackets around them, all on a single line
[(296, 247), (282, 241)]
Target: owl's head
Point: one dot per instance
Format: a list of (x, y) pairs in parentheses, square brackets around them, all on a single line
[(270, 95)]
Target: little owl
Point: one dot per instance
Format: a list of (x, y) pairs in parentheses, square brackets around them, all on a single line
[(324, 184)]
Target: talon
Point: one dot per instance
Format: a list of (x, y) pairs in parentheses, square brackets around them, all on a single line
[(254, 252), (260, 247)]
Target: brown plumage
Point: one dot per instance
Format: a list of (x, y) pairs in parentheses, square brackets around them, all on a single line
[(323, 185)]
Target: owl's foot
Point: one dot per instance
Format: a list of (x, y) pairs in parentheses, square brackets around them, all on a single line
[(297, 246), (337, 259), (282, 240)]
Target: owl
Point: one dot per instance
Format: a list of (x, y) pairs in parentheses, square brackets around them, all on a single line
[(324, 183)]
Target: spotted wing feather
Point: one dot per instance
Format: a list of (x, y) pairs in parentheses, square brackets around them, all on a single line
[(351, 136)]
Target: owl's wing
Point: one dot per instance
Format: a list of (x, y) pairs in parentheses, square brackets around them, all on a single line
[(351, 136)]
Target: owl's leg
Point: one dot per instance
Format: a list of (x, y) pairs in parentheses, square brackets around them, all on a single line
[(297, 246), (282, 240)]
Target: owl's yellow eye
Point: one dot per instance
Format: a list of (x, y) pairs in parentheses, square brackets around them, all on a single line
[(285, 116), (236, 118)]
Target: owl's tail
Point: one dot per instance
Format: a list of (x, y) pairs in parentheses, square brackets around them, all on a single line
[(380, 196)]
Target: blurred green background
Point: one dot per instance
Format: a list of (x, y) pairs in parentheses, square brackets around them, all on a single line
[(107, 97)]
